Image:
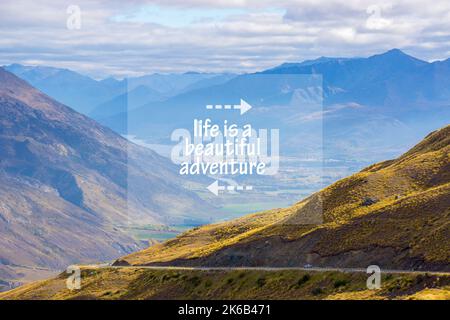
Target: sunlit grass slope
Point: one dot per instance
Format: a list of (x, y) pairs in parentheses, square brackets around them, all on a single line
[(395, 213), (135, 283)]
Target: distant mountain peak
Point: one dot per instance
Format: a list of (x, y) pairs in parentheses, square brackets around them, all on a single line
[(394, 54), (110, 79), (397, 54), (192, 72), (311, 62), (395, 51)]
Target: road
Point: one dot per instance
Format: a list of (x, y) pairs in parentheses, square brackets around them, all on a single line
[(314, 269)]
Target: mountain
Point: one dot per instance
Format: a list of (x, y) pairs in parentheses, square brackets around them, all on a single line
[(173, 83), (206, 82), (154, 88), (77, 91), (70, 186), (394, 214), (108, 97), (377, 80), (309, 62), (126, 102), (370, 108)]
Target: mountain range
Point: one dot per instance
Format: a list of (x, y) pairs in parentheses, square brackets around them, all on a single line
[(65, 194), (77, 91), (370, 108), (110, 96), (392, 79)]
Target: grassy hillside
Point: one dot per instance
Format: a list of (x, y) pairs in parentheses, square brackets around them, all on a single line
[(395, 214), (135, 283)]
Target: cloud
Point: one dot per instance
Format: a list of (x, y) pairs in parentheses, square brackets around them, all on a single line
[(136, 37)]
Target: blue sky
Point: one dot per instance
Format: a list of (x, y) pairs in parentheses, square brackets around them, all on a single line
[(175, 16), (134, 37)]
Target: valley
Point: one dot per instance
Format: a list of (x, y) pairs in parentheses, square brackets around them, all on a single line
[(131, 198), (334, 234), (64, 185)]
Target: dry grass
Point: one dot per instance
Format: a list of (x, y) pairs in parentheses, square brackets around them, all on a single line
[(135, 283)]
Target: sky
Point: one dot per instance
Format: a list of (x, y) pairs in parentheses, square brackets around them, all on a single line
[(129, 38)]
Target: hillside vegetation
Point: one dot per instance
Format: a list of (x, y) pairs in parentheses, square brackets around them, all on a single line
[(395, 214), (138, 283)]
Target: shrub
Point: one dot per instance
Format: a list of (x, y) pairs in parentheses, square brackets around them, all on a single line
[(340, 283), (303, 280), (195, 281), (317, 291), (261, 282)]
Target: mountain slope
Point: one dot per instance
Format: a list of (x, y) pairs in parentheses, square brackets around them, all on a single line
[(395, 214), (367, 81), (69, 184), (80, 92), (107, 97), (143, 284), (126, 102)]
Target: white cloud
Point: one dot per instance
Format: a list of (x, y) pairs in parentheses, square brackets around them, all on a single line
[(239, 35)]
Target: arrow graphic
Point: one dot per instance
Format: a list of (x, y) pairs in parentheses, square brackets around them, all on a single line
[(215, 188), (244, 106)]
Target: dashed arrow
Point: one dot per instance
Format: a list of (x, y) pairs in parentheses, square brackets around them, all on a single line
[(243, 106), (215, 188)]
